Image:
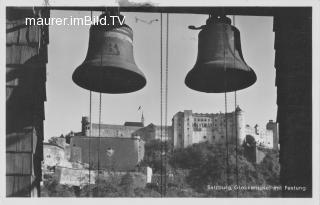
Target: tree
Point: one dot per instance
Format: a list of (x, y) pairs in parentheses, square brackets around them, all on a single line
[(207, 165), (154, 155), (53, 140), (52, 188), (127, 185)]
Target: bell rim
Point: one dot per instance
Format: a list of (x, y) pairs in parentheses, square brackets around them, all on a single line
[(139, 77), (193, 83)]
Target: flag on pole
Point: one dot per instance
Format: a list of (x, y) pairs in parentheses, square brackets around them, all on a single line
[(139, 108)]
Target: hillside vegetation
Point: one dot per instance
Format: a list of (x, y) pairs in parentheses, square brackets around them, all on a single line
[(195, 171)]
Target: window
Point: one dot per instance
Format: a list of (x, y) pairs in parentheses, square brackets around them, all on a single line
[(204, 137), (213, 137), (222, 136)]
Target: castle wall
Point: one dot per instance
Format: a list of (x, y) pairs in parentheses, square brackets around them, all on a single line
[(190, 128), (113, 130), (263, 137), (150, 132), (146, 133)]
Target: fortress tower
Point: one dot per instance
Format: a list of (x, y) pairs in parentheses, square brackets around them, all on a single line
[(273, 126), (240, 124), (85, 128)]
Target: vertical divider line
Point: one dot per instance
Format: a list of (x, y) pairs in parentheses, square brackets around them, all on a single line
[(90, 134), (166, 102), (226, 109), (99, 134), (100, 96), (235, 111), (90, 131), (161, 109)]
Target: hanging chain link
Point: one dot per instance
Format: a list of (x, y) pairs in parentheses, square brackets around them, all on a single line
[(161, 109), (226, 111), (164, 105)]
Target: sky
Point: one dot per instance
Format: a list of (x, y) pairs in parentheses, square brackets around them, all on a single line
[(67, 103)]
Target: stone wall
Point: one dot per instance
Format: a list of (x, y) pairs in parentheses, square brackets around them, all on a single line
[(263, 137), (113, 130), (147, 133), (126, 154), (52, 154)]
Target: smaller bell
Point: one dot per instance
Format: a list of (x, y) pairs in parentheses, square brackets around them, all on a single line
[(109, 66), (220, 66)]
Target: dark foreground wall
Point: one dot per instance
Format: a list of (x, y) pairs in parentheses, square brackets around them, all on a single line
[(293, 62), (26, 58)]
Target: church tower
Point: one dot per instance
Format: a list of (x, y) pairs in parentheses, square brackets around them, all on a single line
[(142, 119)]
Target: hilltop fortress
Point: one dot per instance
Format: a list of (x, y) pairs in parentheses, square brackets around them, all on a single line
[(189, 128)]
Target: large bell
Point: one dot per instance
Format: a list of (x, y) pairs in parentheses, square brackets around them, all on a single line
[(220, 66), (109, 66)]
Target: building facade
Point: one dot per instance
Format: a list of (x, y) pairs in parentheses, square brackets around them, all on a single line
[(109, 153), (190, 128), (154, 132), (53, 154), (127, 130)]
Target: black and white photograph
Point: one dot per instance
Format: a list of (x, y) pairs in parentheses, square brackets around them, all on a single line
[(155, 100)]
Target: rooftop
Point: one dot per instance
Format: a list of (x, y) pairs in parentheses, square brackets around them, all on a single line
[(134, 124)]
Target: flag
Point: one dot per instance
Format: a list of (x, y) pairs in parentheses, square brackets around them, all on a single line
[(139, 108)]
